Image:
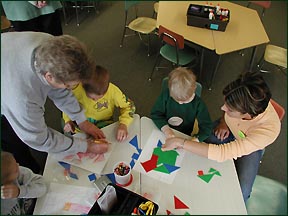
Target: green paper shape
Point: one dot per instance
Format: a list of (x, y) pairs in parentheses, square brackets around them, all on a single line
[(162, 169), (206, 177), (212, 170), (217, 173), (165, 157), (186, 213)]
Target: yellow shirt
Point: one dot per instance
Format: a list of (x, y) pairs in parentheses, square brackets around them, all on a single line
[(103, 109), (251, 135)]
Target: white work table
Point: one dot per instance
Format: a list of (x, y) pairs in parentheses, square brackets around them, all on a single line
[(219, 195)]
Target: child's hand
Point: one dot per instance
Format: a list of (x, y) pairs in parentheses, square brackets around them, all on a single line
[(9, 191), (41, 4), (167, 131), (69, 127), (122, 132)]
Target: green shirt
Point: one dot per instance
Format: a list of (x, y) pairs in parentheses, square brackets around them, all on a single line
[(23, 10), (166, 108)]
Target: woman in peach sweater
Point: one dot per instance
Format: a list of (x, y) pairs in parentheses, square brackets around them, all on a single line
[(249, 124)]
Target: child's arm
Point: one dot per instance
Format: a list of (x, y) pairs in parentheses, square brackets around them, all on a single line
[(126, 106), (31, 185), (204, 122), (158, 112)]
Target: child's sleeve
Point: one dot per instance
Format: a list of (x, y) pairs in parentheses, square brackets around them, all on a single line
[(126, 106), (31, 185), (204, 122), (158, 112), (65, 117)]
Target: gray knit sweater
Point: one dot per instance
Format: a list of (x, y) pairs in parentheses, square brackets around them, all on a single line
[(24, 93)]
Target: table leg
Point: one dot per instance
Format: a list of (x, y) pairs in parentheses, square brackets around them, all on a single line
[(201, 63), (214, 72), (252, 60)]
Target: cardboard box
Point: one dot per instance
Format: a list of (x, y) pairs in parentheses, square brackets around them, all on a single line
[(198, 16), (125, 203)]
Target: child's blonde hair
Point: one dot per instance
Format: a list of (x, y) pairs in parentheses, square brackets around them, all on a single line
[(181, 83)]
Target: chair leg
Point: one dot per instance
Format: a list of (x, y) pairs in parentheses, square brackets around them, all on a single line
[(77, 18), (155, 66), (64, 12), (148, 45)]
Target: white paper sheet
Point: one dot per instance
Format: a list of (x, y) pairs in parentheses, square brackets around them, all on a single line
[(147, 152), (77, 200)]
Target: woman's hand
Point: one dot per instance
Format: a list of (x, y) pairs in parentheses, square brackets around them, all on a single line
[(222, 130), (99, 146), (92, 130), (172, 143)]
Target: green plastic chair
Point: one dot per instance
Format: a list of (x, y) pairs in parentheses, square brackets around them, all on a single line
[(174, 50), (268, 197)]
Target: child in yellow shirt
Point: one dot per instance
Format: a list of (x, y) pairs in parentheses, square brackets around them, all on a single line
[(98, 97)]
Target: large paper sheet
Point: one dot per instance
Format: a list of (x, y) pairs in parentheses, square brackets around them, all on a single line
[(96, 162), (157, 164), (68, 200)]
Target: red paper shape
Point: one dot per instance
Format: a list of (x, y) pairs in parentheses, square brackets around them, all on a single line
[(168, 212), (200, 172), (179, 204), (150, 164)]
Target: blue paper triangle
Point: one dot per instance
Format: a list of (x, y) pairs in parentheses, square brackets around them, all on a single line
[(134, 142), (171, 168), (159, 144), (132, 163), (73, 175), (135, 156), (111, 177), (65, 165), (92, 177)]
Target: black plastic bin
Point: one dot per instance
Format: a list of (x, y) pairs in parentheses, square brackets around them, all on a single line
[(198, 16), (126, 202)]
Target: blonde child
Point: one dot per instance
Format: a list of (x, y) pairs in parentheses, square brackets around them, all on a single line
[(99, 98), (178, 106), (18, 184)]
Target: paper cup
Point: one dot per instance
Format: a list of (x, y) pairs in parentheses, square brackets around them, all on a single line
[(122, 173)]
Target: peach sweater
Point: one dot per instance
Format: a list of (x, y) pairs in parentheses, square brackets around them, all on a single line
[(259, 133)]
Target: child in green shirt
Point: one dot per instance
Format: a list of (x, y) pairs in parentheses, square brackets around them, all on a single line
[(178, 106)]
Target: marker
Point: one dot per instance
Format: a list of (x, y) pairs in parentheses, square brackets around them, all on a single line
[(101, 141)]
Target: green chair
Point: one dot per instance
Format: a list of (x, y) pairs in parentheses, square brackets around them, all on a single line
[(174, 50), (268, 197), (142, 25)]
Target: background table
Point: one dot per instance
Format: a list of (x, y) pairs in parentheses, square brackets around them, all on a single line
[(222, 195), (244, 29)]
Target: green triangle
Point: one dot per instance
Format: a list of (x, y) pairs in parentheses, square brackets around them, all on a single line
[(212, 170), (186, 213), (217, 173), (206, 177), (161, 168)]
